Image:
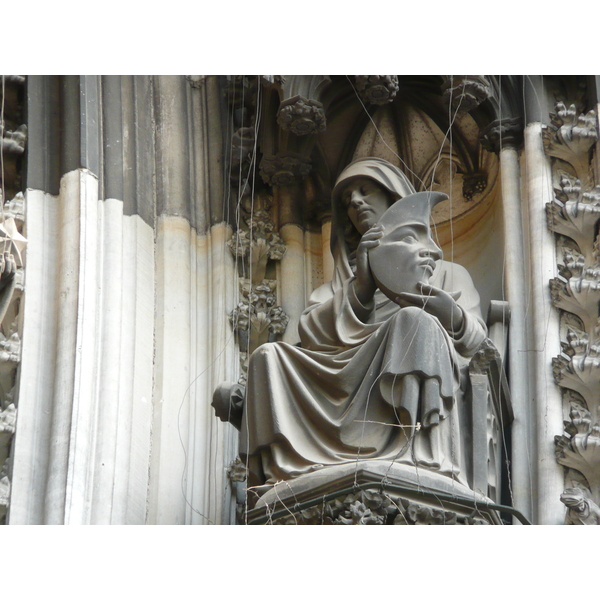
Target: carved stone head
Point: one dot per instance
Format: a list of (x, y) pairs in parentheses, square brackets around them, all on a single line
[(380, 175), (406, 253), (384, 173)]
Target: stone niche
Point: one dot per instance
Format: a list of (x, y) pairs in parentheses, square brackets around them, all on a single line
[(309, 132)]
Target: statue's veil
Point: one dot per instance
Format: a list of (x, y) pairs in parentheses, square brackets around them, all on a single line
[(384, 173)]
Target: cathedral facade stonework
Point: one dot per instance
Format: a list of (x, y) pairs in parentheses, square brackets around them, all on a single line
[(366, 299)]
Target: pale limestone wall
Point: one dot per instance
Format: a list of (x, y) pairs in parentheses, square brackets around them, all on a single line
[(127, 330), (122, 350)]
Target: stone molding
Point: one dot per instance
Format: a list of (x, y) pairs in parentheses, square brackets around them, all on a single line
[(370, 493), (502, 133)]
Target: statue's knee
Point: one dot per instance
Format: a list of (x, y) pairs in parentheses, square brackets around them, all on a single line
[(412, 316), (410, 312), (262, 353)]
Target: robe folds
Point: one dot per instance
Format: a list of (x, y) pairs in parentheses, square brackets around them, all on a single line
[(366, 382)]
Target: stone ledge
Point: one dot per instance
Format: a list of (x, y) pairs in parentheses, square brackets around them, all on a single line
[(372, 492)]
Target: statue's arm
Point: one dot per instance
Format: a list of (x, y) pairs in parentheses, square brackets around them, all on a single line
[(473, 330), (335, 319)]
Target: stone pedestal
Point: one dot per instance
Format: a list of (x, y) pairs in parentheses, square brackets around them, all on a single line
[(375, 493)]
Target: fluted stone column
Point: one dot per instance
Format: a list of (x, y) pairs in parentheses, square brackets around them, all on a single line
[(126, 330)]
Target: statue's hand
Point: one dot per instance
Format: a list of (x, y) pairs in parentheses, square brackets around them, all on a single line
[(436, 302), (364, 285)]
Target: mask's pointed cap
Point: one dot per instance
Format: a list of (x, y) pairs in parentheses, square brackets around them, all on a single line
[(393, 271)]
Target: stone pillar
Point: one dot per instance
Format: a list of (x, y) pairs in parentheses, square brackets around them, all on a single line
[(545, 325), (126, 331), (195, 292), (523, 447), (327, 256), (82, 447), (292, 280)]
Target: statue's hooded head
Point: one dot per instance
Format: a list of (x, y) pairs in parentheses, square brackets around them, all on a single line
[(390, 180), (382, 172)]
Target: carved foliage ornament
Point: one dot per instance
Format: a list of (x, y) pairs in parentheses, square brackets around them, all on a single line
[(284, 169), (570, 137), (301, 116), (574, 213), (13, 142), (367, 507), (14, 139), (580, 509), (256, 319), (463, 93), (377, 89), (473, 184)]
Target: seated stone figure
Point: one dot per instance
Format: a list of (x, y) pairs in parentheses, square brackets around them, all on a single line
[(380, 372)]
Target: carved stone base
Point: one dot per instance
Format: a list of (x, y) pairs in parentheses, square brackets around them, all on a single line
[(372, 493)]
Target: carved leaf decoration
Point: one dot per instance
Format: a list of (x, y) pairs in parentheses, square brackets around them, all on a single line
[(580, 373), (578, 296), (580, 448), (8, 419), (570, 138), (576, 219)]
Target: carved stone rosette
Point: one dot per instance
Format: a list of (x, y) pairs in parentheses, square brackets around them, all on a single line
[(14, 139), (301, 116), (377, 89), (573, 216)]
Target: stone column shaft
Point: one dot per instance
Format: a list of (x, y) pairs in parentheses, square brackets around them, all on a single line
[(523, 446), (545, 324)]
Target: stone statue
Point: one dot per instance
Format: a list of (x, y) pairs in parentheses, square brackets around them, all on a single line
[(581, 510), (381, 368)]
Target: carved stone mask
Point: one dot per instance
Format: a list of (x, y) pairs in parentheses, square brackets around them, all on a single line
[(406, 253)]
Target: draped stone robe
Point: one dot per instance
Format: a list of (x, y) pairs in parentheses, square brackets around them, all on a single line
[(366, 382)]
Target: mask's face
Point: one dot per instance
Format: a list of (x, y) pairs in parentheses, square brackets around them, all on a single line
[(366, 202), (405, 257)]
